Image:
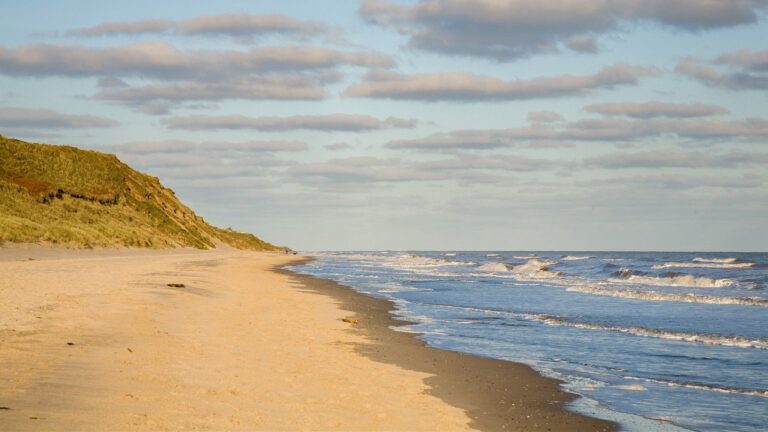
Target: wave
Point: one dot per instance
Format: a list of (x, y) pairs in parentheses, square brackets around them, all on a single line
[(492, 255), (715, 260), (670, 279), (535, 268), (408, 260), (495, 267), (450, 254), (701, 338), (683, 298), (575, 257), (525, 257), (721, 265), (700, 386)]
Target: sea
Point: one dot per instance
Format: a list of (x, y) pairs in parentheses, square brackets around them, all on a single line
[(652, 340)]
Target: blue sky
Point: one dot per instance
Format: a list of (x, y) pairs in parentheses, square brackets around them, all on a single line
[(436, 124)]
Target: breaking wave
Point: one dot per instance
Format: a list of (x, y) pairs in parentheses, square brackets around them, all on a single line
[(715, 260), (408, 260), (495, 267), (532, 268), (702, 265), (670, 279), (575, 257), (699, 386), (700, 338), (657, 296)]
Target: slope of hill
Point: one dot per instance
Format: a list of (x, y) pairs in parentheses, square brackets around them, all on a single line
[(79, 198)]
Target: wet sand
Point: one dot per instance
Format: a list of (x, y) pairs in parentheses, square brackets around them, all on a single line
[(495, 394), (98, 340)]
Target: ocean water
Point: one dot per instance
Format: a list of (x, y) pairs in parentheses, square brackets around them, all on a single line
[(654, 340)]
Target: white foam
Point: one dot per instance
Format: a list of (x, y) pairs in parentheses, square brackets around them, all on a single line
[(494, 267), (533, 268), (525, 257), (631, 387), (715, 260), (657, 296), (702, 265), (491, 255), (576, 258), (450, 254), (697, 386), (701, 338), (680, 280), (708, 339)]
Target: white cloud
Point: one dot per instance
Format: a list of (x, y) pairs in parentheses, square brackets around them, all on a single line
[(465, 86)]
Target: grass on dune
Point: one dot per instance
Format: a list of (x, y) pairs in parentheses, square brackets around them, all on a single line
[(79, 198)]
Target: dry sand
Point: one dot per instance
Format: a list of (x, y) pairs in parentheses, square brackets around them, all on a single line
[(97, 340)]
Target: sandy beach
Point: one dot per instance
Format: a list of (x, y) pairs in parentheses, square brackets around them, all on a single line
[(224, 340)]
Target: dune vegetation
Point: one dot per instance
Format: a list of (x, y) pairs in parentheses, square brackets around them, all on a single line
[(78, 198)]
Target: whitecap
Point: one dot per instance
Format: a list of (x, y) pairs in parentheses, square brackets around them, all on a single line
[(576, 258), (715, 260), (658, 296), (721, 265), (495, 267), (533, 268), (630, 276), (699, 386), (701, 338), (631, 387)]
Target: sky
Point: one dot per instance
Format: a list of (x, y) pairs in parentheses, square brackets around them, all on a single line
[(416, 125)]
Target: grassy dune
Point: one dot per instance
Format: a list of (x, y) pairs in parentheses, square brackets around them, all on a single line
[(79, 198)]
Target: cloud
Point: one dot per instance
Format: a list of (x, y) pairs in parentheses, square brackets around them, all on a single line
[(14, 117), (675, 158), (678, 181), (182, 146), (328, 122), (601, 129), (510, 29), (739, 70), (264, 87), (245, 25), (655, 109), (465, 86), (582, 43), (463, 168), (179, 75), (544, 117), (240, 26), (255, 146), (164, 61), (123, 28), (337, 146)]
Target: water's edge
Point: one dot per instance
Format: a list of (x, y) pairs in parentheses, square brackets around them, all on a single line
[(482, 386)]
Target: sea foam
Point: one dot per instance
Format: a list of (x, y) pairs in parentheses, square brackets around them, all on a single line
[(722, 265), (659, 296), (535, 268), (576, 258), (630, 276)]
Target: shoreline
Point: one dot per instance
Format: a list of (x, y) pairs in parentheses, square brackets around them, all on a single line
[(495, 394), (234, 340)]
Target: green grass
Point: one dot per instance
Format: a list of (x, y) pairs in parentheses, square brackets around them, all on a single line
[(79, 198)]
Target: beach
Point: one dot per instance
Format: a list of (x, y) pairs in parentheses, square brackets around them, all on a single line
[(232, 340)]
